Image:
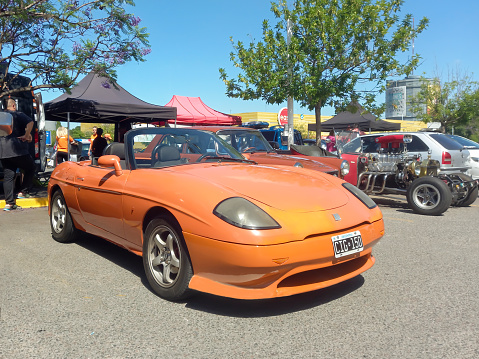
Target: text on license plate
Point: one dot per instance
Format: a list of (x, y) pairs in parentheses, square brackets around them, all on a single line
[(347, 243)]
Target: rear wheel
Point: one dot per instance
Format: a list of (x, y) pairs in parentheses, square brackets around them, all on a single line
[(61, 223), (469, 194), (165, 259), (429, 195), (470, 198)]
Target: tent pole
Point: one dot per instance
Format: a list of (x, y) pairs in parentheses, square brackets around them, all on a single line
[(68, 136)]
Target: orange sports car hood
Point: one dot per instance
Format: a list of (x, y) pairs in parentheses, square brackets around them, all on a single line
[(295, 189), (289, 160)]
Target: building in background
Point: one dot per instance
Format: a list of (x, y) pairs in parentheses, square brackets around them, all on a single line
[(398, 97)]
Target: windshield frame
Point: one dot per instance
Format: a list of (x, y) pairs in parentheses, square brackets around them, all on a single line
[(221, 148), (242, 132)]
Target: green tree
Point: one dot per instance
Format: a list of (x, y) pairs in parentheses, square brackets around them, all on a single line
[(76, 132), (470, 129), (336, 47), (52, 42), (452, 103)]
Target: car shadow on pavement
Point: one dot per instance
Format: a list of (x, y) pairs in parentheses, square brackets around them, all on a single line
[(272, 307), (221, 305), (399, 203), (113, 253)]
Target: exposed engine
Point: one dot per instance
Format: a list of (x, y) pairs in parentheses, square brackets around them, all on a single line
[(393, 169)]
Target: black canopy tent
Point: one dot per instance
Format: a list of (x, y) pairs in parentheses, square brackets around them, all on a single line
[(96, 99), (365, 121)]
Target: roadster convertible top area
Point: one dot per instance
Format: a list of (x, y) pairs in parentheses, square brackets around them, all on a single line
[(204, 218)]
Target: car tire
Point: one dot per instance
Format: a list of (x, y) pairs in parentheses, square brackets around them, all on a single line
[(429, 195), (470, 198), (165, 259), (61, 223)]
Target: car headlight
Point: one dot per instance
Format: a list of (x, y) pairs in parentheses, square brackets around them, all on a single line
[(363, 197), (417, 168), (475, 159), (298, 164), (243, 214), (344, 168)]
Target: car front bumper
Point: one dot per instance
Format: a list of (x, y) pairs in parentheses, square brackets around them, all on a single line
[(258, 272)]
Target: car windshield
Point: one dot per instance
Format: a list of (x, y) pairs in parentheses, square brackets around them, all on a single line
[(446, 142), (165, 147), (246, 141), (464, 141), (348, 141), (351, 146)]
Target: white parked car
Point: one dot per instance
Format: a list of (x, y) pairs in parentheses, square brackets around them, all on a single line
[(473, 160)]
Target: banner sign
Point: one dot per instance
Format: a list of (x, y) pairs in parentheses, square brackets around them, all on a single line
[(396, 102)]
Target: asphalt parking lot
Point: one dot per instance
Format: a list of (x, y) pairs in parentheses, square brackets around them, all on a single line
[(91, 300)]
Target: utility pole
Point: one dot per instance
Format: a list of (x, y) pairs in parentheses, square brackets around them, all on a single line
[(290, 127)]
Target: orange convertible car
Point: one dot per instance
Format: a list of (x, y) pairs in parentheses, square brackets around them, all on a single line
[(204, 218)]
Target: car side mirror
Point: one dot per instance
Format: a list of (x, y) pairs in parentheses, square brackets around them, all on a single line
[(111, 161)]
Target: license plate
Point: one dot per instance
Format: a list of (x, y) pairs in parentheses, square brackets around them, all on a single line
[(346, 244)]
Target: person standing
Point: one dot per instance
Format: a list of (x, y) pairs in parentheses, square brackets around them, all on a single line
[(331, 142), (92, 138), (98, 145), (62, 144), (14, 154)]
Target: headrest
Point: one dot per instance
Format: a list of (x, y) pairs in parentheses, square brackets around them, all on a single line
[(115, 148), (168, 153)]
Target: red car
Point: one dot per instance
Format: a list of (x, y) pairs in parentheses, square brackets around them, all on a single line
[(252, 145)]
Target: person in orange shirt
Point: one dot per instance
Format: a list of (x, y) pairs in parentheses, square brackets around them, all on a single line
[(62, 144), (92, 137)]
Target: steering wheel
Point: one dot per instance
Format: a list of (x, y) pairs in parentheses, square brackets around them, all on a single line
[(249, 149)]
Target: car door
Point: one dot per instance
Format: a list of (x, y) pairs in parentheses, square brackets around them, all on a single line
[(100, 196)]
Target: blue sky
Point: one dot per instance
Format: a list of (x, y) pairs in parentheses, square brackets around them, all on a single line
[(190, 41)]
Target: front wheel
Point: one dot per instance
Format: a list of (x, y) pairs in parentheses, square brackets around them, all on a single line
[(429, 195), (61, 223), (165, 259)]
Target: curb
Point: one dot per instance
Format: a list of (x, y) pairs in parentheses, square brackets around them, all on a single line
[(35, 202)]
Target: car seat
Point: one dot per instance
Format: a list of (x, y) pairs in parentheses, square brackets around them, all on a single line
[(164, 156), (117, 149)]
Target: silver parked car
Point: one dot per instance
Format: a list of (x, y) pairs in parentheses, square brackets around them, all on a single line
[(452, 156), (473, 160)]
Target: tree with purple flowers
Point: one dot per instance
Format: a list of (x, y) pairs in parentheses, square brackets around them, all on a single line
[(53, 42)]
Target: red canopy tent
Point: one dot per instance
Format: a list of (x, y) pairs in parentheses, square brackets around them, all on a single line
[(192, 111)]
